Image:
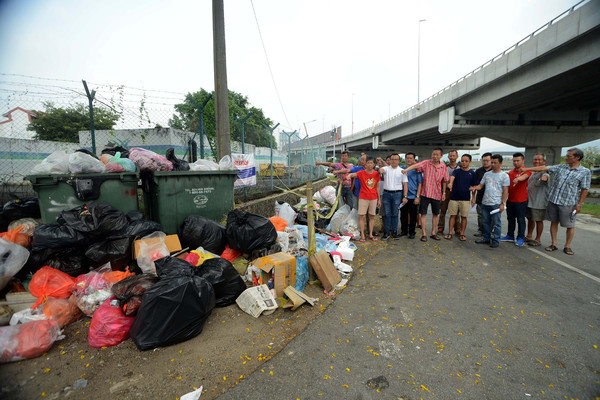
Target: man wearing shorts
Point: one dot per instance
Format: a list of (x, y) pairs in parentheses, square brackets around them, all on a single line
[(435, 179), (369, 197), (537, 191), (569, 189), (496, 185), (461, 198), (452, 166)]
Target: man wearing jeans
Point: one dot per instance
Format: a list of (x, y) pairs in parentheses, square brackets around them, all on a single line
[(415, 181), (395, 192), (516, 206), (496, 185), (486, 165)]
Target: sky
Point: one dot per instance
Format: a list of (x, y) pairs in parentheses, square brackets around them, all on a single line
[(330, 62)]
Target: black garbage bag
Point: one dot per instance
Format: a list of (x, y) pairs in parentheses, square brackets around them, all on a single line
[(178, 164), (70, 260), (172, 311), (173, 266), (246, 231), (113, 150), (130, 290), (137, 227), (96, 220), (226, 281), (54, 236), (196, 231), (17, 209), (321, 223), (117, 252)]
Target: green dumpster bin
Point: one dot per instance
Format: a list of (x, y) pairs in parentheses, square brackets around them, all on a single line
[(62, 192), (172, 196)]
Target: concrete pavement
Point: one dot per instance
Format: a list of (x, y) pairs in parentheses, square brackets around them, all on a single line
[(450, 320)]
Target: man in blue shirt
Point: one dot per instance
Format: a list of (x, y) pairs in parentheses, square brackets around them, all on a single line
[(461, 198), (410, 209)]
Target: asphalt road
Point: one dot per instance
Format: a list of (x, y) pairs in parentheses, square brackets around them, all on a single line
[(451, 320)]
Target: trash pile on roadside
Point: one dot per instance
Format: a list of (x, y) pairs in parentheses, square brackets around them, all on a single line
[(135, 281)]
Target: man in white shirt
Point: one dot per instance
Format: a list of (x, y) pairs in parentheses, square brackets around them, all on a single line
[(395, 190)]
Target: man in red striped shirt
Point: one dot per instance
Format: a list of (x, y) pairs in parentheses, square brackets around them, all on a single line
[(435, 179)]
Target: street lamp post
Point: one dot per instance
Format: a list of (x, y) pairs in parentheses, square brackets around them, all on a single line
[(419, 62)]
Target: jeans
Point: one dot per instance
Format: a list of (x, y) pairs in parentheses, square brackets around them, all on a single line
[(347, 197), (516, 211), (479, 219), (391, 202), (491, 222), (410, 208)]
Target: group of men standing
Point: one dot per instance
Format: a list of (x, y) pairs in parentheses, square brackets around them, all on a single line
[(453, 189)]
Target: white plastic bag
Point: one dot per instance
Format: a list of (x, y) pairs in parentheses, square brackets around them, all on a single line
[(55, 163), (338, 218), (283, 238), (152, 247), (328, 194), (82, 163), (12, 259), (204, 165), (286, 212), (226, 164), (350, 226), (317, 197)]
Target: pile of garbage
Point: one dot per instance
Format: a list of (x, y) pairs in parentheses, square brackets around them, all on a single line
[(119, 159), (134, 281)]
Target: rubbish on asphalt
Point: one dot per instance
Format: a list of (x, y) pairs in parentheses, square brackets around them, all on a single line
[(226, 281), (278, 268), (29, 340), (247, 232), (149, 249), (130, 290), (50, 282), (195, 395), (63, 311), (198, 231), (257, 300), (109, 325), (296, 298), (325, 270), (92, 289), (12, 259), (285, 211)]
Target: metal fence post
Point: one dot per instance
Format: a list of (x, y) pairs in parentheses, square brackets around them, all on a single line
[(243, 133), (289, 135), (271, 146), (201, 120)]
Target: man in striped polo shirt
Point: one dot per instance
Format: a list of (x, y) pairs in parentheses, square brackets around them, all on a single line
[(435, 179)]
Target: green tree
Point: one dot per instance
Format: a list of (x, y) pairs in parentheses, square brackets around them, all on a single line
[(187, 118), (591, 156), (63, 124)]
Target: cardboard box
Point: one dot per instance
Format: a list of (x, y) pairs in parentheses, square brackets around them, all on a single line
[(172, 242), (296, 298), (325, 270), (281, 266), (257, 300)]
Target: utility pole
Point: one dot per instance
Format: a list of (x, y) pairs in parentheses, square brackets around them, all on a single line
[(221, 91), (90, 97)]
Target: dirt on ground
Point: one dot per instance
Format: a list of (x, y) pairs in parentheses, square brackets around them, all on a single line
[(232, 345)]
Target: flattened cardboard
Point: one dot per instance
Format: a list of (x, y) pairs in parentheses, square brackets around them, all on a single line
[(325, 270), (296, 297), (172, 242), (281, 266)]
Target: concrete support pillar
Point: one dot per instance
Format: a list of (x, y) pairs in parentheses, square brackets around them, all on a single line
[(552, 153)]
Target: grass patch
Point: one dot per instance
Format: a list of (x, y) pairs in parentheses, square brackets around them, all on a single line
[(592, 209)]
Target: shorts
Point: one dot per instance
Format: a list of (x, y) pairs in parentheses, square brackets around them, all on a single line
[(562, 214), (425, 202), (367, 206), (459, 206), (535, 214)]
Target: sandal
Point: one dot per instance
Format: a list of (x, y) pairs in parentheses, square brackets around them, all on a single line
[(373, 238), (534, 243), (448, 236), (462, 238), (362, 240), (423, 238), (568, 251), (551, 248), (435, 237)]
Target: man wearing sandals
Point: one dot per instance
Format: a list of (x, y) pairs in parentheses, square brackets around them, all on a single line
[(369, 198), (496, 185), (569, 189), (537, 191), (435, 179), (461, 198)]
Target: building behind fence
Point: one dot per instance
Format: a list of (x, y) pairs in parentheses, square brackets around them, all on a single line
[(142, 115)]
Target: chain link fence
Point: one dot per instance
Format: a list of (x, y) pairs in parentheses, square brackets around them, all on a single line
[(39, 116)]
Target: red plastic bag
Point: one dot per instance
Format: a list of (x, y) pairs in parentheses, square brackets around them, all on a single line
[(230, 254), (63, 311), (109, 325), (50, 282), (28, 340), (15, 236), (279, 223)]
